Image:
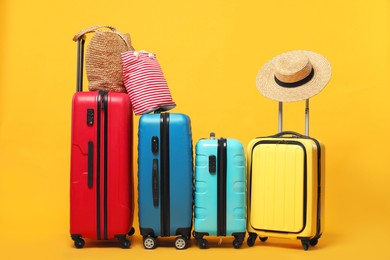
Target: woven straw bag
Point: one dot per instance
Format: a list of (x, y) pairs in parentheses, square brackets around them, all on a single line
[(103, 57)]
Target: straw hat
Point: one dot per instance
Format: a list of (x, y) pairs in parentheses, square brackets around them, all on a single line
[(293, 76)]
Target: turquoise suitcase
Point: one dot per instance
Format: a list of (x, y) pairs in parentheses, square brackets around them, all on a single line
[(220, 193)]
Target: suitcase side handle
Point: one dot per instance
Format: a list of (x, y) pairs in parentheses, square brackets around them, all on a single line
[(80, 63), (90, 164), (155, 182)]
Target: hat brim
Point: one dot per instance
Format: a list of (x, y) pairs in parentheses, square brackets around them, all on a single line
[(268, 87)]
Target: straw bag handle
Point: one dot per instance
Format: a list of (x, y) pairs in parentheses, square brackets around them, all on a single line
[(83, 32)]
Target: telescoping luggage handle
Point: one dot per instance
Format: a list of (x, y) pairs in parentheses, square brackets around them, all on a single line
[(280, 121), (80, 63)]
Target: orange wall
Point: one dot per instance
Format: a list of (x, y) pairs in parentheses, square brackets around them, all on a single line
[(210, 52)]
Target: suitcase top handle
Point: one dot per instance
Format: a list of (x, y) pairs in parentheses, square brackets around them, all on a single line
[(294, 134), (280, 118)]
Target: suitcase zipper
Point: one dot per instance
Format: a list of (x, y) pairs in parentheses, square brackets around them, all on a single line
[(105, 169), (165, 169), (221, 190), (102, 107), (98, 144), (318, 232)]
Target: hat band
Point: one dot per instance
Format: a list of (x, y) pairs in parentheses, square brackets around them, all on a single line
[(297, 83)]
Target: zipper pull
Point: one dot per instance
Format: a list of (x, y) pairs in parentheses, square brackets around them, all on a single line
[(105, 99), (102, 98)]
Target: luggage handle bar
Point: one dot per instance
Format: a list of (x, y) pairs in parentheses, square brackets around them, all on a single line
[(280, 119), (80, 63)]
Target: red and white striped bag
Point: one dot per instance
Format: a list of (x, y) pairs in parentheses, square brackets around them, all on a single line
[(145, 82)]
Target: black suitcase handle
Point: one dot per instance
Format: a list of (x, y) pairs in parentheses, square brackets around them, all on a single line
[(155, 189), (90, 164), (80, 63), (294, 134)]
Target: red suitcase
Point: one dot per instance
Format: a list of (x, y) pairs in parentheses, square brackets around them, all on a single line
[(101, 189)]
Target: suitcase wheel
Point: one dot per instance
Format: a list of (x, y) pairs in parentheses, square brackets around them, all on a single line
[(314, 241), (131, 232), (251, 239), (203, 243), (238, 239), (200, 240), (79, 242), (263, 239), (180, 243), (305, 244), (237, 243), (150, 242), (125, 243)]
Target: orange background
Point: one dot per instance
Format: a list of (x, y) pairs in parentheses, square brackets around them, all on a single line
[(210, 52)]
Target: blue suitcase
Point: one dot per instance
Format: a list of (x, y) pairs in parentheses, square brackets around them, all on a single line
[(220, 193), (165, 178)]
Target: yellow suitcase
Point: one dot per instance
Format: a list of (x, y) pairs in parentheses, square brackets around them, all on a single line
[(286, 186)]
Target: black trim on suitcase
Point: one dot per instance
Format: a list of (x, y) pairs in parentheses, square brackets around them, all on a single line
[(98, 141), (105, 169), (164, 171), (221, 189), (318, 233), (287, 142), (102, 107), (186, 232), (147, 232)]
